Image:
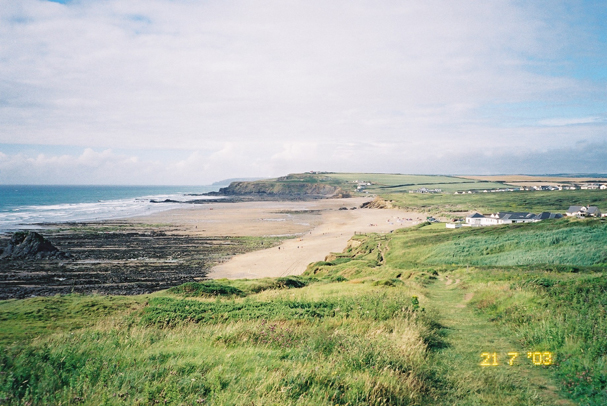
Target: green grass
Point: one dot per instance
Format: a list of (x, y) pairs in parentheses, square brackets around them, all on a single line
[(23, 320), (552, 243), (469, 335), (549, 312), (396, 318), (398, 183), (536, 202), (164, 311), (541, 284), (368, 349)]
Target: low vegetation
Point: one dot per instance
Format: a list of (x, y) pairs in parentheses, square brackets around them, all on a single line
[(555, 312), (367, 346), (543, 283), (382, 183), (452, 205), (397, 318), (22, 320)]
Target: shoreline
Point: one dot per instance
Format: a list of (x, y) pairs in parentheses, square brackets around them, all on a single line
[(147, 253), (319, 228)]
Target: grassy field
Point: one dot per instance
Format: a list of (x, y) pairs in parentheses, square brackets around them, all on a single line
[(536, 179), (398, 183), (395, 187), (365, 346), (399, 318), (21, 320), (535, 202)]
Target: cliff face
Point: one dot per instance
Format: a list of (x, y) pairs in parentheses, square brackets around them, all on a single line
[(283, 189)]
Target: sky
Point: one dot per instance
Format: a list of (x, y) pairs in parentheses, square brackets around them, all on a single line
[(190, 92)]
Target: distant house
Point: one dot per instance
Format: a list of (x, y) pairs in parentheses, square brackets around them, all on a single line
[(508, 217), (475, 219), (547, 215), (583, 211), (426, 190)]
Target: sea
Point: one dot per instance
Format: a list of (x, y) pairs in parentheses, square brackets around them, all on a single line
[(26, 206)]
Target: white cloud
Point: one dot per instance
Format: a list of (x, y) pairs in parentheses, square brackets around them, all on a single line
[(270, 86), (570, 121)]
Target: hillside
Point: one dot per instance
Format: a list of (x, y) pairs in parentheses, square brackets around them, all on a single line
[(315, 185), (399, 318), (543, 284), (395, 189), (287, 187)]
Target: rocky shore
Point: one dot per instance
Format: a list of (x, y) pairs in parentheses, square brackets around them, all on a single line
[(109, 258)]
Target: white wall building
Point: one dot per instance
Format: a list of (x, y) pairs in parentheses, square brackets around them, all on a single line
[(507, 217)]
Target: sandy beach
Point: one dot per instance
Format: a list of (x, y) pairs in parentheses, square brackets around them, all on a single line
[(316, 228), (194, 242)]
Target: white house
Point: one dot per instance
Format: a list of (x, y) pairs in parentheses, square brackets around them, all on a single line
[(583, 211), (507, 217)]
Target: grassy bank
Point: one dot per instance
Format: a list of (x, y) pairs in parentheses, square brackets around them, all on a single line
[(559, 313), (399, 318), (317, 344), (542, 285), (536, 202)]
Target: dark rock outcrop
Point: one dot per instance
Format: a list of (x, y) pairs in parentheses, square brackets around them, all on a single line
[(31, 245)]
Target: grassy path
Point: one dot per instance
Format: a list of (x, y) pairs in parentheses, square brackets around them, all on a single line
[(469, 335)]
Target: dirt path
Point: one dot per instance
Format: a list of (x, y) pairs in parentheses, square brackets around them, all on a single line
[(469, 335)]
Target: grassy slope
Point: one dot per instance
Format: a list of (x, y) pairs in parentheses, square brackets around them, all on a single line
[(395, 187), (544, 303), (319, 344), (469, 335), (348, 332), (22, 320), (557, 201)]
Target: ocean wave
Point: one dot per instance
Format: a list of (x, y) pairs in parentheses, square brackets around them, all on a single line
[(28, 216)]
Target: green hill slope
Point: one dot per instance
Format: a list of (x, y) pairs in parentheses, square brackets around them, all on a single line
[(399, 318)]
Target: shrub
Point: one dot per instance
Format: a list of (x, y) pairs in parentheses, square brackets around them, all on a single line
[(210, 288)]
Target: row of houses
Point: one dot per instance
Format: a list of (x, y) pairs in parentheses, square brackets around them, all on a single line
[(426, 190), (361, 185), (590, 186), (508, 217), (593, 186)]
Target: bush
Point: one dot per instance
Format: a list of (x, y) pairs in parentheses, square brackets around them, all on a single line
[(210, 288), (290, 282)]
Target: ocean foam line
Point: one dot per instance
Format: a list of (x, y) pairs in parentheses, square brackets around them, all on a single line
[(26, 216)]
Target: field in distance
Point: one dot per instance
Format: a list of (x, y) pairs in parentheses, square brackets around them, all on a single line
[(398, 183), (530, 180)]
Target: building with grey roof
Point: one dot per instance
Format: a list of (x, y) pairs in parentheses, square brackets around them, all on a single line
[(583, 211), (508, 217)]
